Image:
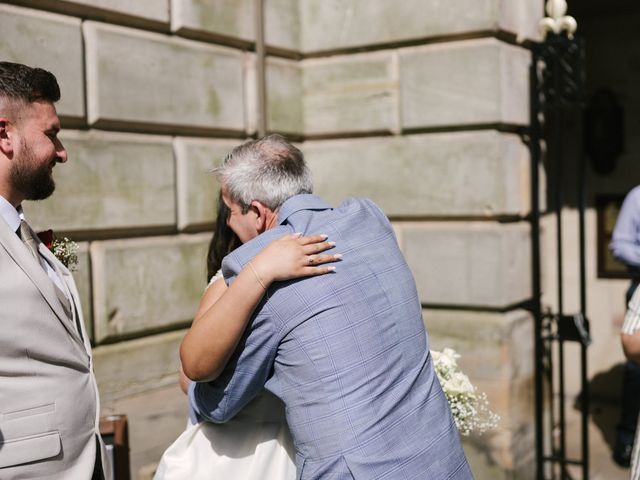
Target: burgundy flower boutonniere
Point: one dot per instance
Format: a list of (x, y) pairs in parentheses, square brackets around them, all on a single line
[(46, 237), (65, 250)]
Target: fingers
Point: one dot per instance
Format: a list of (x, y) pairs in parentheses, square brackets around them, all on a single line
[(324, 258), (310, 239), (312, 272), (315, 264), (311, 243), (315, 248)]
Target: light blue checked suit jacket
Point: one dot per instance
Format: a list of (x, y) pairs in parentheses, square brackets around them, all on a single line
[(346, 352)]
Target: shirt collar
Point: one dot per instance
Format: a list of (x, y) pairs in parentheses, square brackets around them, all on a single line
[(12, 216), (296, 203)]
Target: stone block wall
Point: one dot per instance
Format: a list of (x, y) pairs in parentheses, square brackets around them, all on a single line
[(414, 104)]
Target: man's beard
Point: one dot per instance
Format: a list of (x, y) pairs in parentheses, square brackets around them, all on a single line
[(34, 182)]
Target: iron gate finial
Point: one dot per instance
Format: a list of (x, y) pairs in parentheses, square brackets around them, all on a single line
[(557, 21)]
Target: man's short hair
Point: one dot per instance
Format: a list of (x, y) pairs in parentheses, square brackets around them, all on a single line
[(269, 170), (27, 84)]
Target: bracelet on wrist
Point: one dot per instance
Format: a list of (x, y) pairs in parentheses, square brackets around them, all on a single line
[(255, 274)]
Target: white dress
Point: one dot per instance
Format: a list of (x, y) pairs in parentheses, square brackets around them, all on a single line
[(254, 445)]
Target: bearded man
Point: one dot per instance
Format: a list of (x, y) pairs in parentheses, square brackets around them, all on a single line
[(49, 400)]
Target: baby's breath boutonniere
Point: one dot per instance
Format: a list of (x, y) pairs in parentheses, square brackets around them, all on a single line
[(64, 249), (470, 408)]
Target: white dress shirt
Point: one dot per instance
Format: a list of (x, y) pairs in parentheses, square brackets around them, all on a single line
[(13, 218)]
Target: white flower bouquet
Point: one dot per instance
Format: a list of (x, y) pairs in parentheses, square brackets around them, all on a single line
[(65, 250), (469, 407)]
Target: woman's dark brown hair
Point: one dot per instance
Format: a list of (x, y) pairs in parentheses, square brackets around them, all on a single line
[(223, 242)]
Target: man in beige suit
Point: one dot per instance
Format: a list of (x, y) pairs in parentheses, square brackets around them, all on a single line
[(48, 396)]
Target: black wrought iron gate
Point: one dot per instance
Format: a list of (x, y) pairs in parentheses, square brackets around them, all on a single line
[(557, 93)]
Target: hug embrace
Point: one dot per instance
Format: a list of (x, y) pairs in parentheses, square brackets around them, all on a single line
[(334, 343), (307, 358)]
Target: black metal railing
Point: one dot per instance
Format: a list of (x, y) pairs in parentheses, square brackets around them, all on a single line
[(557, 85)]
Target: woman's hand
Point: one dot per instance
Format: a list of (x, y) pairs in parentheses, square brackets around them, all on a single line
[(294, 256), (224, 312)]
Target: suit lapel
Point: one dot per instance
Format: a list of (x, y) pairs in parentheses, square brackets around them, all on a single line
[(66, 277), (29, 265)]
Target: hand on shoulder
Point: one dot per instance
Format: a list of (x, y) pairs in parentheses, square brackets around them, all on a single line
[(295, 256)]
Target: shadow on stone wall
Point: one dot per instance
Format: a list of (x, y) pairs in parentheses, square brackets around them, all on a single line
[(605, 388)]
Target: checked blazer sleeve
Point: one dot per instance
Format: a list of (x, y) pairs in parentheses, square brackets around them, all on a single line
[(251, 364), (347, 353)]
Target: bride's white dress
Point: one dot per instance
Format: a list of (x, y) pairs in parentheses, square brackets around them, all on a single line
[(254, 445)]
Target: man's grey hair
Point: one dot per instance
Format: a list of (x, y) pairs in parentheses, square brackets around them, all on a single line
[(269, 170)]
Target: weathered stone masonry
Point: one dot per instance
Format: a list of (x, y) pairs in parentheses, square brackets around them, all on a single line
[(411, 103)]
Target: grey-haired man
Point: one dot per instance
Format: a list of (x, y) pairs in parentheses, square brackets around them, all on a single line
[(347, 353)]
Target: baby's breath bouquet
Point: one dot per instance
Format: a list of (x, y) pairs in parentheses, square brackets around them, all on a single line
[(65, 250), (469, 407)]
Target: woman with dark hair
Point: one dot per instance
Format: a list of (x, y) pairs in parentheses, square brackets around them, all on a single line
[(256, 444), (223, 242)]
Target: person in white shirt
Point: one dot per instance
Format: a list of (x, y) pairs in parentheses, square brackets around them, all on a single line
[(49, 404), (625, 247)]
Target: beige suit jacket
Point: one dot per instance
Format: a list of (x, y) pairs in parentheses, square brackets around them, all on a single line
[(49, 404)]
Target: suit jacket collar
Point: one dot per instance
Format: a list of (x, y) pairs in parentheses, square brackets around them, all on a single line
[(23, 258), (247, 251), (296, 203)]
